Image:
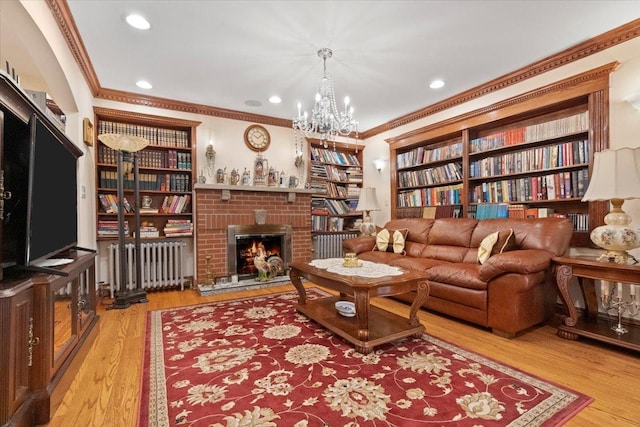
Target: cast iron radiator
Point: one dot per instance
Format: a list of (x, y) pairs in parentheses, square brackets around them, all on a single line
[(162, 265), (329, 245)]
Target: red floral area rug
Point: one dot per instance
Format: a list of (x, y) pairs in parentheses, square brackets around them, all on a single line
[(256, 362)]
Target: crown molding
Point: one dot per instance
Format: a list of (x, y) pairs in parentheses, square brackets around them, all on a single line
[(62, 15), (188, 107), (564, 90), (589, 47)]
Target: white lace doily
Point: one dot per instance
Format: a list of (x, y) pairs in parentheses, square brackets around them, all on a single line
[(368, 268)]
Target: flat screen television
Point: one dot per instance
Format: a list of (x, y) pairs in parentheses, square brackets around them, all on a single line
[(42, 216), (52, 211)]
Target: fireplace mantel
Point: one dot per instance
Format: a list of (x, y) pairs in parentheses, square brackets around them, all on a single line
[(218, 206), (199, 186)]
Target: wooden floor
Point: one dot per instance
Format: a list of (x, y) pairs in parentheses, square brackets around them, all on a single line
[(105, 391)]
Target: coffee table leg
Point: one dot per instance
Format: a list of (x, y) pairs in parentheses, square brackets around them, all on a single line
[(422, 294), (362, 314), (297, 282)]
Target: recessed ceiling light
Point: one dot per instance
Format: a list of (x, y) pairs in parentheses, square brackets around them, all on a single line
[(143, 84), (252, 103), (436, 84), (137, 21), (275, 99)]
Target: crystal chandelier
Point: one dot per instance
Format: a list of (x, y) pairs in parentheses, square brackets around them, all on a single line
[(325, 118)]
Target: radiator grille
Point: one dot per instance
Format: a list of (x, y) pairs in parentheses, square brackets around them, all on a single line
[(329, 245), (162, 266)]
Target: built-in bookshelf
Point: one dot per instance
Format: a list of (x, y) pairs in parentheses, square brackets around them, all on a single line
[(165, 179), (335, 173), (429, 177), (525, 157)]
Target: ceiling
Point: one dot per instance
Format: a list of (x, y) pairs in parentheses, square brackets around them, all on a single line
[(385, 53)]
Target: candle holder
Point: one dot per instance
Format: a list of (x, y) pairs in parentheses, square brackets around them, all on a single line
[(619, 306), (208, 270)]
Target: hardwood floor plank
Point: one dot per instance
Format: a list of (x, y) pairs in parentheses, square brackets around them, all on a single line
[(106, 389)]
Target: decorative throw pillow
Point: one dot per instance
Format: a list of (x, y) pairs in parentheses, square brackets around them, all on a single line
[(496, 243), (391, 240)]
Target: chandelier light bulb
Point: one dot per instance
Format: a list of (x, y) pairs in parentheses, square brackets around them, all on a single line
[(325, 118)]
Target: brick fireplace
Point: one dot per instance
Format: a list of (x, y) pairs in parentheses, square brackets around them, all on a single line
[(219, 206)]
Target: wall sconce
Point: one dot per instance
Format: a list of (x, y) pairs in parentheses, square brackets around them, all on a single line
[(634, 100), (380, 164)]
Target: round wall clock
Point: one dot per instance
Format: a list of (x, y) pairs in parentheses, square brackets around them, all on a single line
[(257, 138)]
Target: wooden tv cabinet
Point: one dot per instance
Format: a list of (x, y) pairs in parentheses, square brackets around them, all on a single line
[(47, 324)]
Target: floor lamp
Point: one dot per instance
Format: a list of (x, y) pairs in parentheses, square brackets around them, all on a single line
[(127, 147)]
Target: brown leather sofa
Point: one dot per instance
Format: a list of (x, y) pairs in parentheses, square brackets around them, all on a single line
[(509, 293)]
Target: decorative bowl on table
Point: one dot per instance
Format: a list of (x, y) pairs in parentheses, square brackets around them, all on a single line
[(346, 308)]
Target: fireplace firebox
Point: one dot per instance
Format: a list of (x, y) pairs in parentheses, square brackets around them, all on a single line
[(243, 242)]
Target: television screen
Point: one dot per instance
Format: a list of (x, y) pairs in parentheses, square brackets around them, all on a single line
[(52, 212)]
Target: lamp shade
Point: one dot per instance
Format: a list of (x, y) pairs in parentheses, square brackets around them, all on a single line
[(121, 142), (368, 200), (616, 175)]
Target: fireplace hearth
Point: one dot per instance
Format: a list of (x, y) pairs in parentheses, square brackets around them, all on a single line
[(244, 241)]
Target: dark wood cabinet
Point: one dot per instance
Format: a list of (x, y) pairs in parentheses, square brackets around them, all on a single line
[(47, 323), (65, 308), (16, 352)]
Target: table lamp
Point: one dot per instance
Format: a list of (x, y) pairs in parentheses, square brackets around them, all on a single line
[(615, 177), (367, 202)]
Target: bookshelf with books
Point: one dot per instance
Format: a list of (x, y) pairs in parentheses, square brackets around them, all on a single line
[(335, 173), (166, 174), (524, 157)]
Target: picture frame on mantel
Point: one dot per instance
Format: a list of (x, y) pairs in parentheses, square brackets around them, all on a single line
[(87, 131)]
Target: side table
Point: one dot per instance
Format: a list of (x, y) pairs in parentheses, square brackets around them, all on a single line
[(586, 270)]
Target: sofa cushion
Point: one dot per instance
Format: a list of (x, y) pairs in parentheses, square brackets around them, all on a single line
[(419, 228), (452, 232), (496, 243), (459, 274), (381, 257), (419, 264), (391, 240)]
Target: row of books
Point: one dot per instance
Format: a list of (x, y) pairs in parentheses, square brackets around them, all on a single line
[(107, 228), (174, 204), (439, 175), (562, 185), (147, 181), (335, 157), (156, 136), (547, 130), (552, 156), (338, 207), (333, 173), (422, 155), (580, 221), (328, 223), (444, 211), (109, 203), (169, 159), (434, 196), (178, 227)]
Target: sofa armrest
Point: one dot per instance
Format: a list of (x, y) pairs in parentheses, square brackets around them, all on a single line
[(358, 245), (525, 261)]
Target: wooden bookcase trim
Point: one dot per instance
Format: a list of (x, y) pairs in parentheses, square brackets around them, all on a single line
[(147, 119), (571, 88)]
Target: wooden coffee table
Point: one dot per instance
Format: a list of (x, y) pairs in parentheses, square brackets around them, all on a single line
[(371, 326)]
